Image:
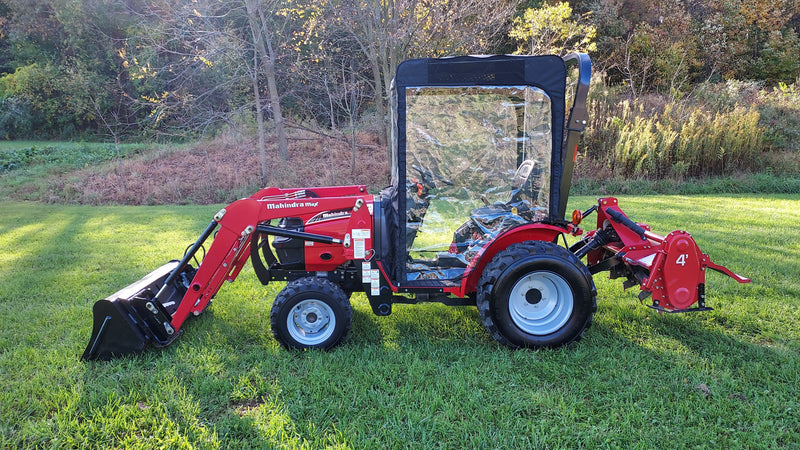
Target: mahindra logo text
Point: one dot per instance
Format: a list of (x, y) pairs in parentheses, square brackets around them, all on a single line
[(292, 205)]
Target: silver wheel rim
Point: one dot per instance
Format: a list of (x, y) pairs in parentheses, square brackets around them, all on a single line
[(540, 303), (311, 322)]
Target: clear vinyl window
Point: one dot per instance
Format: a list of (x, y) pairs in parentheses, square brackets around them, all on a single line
[(477, 163)]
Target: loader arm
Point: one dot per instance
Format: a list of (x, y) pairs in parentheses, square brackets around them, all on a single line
[(231, 247), (152, 310), (224, 260)]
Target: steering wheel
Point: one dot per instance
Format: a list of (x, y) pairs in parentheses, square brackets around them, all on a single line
[(523, 172)]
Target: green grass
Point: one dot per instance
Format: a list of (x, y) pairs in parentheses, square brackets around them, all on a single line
[(760, 183), (426, 376), (21, 155)]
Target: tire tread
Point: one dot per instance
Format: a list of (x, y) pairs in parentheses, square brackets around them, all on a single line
[(505, 259), (306, 284)]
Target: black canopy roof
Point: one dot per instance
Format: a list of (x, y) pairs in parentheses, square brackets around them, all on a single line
[(547, 73)]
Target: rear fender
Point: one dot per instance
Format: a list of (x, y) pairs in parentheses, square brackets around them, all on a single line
[(532, 232)]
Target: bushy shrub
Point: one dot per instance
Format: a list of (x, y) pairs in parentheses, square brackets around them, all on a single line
[(716, 130), (16, 118), (780, 117), (45, 100), (19, 158)]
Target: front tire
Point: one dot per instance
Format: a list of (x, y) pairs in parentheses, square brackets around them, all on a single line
[(311, 313), (536, 294)]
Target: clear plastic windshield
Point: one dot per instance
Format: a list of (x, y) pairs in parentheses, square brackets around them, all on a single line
[(477, 164)]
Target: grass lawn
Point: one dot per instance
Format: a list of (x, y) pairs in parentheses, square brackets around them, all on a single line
[(16, 155), (426, 376)]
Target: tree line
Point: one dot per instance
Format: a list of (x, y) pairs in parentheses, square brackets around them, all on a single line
[(187, 68)]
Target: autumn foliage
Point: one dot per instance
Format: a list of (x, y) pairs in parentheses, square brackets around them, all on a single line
[(175, 71)]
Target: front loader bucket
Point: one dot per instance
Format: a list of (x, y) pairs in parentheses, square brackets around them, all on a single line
[(130, 319)]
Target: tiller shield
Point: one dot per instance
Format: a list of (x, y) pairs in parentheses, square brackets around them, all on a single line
[(139, 314), (671, 269)]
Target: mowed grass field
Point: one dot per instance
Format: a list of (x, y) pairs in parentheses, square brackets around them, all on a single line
[(428, 376)]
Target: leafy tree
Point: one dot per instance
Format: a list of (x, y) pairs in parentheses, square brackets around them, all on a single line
[(5, 52), (133, 67), (755, 39), (662, 55), (60, 55), (553, 29), (383, 33), (611, 25)]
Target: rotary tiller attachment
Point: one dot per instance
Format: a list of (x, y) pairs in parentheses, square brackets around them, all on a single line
[(671, 269), (140, 314)]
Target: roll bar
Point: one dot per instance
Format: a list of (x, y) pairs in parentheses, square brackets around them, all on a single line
[(576, 123)]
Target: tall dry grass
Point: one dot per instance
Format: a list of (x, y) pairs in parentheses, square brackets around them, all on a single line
[(218, 171), (715, 131)]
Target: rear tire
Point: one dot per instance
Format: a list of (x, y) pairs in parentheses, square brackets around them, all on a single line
[(311, 313), (536, 294)]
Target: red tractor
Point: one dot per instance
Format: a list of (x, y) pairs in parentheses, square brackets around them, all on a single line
[(483, 152)]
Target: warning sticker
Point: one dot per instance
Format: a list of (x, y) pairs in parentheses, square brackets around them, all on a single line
[(366, 272), (358, 249), (361, 233), (375, 283)]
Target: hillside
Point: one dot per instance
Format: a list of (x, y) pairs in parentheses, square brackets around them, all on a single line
[(217, 171)]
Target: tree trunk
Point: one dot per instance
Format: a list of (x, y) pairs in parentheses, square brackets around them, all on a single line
[(263, 43), (352, 114), (368, 44), (380, 103), (262, 134)]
